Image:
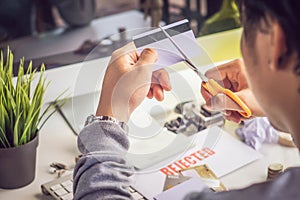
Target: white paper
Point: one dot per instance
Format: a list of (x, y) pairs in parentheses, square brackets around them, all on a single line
[(230, 154), (209, 182), (178, 192)]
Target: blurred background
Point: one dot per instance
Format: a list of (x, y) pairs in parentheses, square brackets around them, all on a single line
[(61, 32)]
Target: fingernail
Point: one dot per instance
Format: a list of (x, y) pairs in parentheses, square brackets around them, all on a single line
[(227, 113)]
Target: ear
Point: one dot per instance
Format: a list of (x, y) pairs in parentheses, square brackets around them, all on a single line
[(279, 49)]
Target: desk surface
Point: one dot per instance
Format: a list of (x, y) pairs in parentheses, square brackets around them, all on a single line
[(58, 143)]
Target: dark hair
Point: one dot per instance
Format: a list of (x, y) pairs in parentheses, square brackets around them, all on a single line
[(286, 12)]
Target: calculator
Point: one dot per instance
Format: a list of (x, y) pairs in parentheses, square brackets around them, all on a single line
[(62, 189)]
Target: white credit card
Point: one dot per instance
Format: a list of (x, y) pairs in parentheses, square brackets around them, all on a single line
[(167, 53)]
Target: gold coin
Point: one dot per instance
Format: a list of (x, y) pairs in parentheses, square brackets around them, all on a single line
[(275, 167)]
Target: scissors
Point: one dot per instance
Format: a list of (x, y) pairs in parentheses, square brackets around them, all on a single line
[(211, 85)]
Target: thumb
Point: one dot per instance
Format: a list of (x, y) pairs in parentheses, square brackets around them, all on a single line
[(222, 102), (148, 56)]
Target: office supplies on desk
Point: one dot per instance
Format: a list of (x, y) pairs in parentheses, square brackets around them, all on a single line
[(209, 84), (62, 189), (193, 118)]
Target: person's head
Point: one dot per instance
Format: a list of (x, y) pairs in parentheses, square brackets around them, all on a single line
[(271, 51)]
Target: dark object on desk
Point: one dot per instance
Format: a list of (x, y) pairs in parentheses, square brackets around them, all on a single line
[(58, 108), (58, 166), (17, 165), (193, 119), (86, 47), (274, 170), (179, 107)]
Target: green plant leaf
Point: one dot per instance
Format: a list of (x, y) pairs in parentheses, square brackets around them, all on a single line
[(20, 107), (3, 139), (25, 137), (17, 131)]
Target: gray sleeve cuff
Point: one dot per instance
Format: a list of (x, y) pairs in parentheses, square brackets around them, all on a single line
[(102, 136), (102, 172)]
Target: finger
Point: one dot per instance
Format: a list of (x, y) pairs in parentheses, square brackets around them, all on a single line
[(234, 117), (206, 95), (229, 70), (148, 56), (126, 48), (227, 113), (129, 49), (158, 92), (162, 77), (249, 99), (150, 94), (216, 74)]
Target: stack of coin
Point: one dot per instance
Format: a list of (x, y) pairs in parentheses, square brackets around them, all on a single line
[(274, 170)]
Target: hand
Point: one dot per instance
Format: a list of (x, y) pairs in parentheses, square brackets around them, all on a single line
[(160, 82), (232, 76), (128, 80)]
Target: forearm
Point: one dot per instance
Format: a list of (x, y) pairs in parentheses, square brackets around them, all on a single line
[(102, 171)]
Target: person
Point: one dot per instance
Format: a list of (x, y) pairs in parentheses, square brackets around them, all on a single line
[(267, 79)]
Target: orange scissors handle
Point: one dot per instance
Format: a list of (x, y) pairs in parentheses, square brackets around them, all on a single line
[(215, 88)]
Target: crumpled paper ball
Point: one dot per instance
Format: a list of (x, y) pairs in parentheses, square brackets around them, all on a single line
[(257, 131)]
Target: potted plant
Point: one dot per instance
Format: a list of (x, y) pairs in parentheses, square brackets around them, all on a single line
[(21, 117)]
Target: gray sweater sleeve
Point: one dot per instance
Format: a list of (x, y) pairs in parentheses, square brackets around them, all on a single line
[(102, 171)]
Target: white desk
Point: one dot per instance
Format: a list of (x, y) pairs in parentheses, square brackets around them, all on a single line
[(58, 144)]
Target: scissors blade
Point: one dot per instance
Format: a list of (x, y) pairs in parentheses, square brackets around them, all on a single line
[(186, 58)]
